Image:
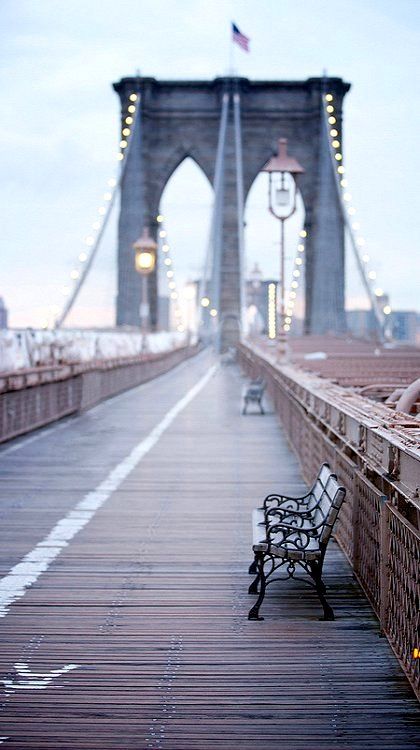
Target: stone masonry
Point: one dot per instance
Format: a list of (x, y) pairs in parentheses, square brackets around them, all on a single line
[(180, 119)]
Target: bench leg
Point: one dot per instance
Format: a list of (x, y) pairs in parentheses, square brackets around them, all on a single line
[(254, 611), (253, 588), (320, 590), (253, 567), (261, 407), (245, 406)]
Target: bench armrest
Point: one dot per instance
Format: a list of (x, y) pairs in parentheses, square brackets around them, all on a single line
[(278, 500), (310, 531), (293, 536), (288, 510), (281, 525)]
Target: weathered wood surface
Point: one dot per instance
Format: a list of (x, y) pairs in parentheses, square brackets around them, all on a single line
[(149, 599)]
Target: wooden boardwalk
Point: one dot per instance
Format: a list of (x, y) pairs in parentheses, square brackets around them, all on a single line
[(135, 634)]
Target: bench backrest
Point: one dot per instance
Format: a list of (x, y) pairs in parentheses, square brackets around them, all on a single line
[(323, 475), (328, 497)]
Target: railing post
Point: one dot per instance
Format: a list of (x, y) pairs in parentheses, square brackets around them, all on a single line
[(384, 564), (356, 523)]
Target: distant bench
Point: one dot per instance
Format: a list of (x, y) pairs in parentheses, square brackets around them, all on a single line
[(253, 393), (295, 531)]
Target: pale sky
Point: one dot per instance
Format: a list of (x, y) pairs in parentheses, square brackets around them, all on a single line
[(60, 123)]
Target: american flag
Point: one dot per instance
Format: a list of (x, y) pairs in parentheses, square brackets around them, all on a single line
[(239, 38)]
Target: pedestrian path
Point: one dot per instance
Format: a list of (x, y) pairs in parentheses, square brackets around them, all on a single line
[(134, 632)]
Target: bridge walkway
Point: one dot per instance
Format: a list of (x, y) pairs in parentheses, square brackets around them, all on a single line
[(125, 625)]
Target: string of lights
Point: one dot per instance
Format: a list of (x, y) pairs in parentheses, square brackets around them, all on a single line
[(358, 241), (272, 327), (206, 303), (296, 278), (93, 239), (168, 265)]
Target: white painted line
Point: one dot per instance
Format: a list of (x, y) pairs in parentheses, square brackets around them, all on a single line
[(27, 571), (27, 680)]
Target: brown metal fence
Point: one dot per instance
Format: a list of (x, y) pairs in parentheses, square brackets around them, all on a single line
[(33, 398), (380, 543), (400, 586)]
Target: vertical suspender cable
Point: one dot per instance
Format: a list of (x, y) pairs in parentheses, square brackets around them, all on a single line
[(374, 305), (101, 232), (212, 261), (240, 201)]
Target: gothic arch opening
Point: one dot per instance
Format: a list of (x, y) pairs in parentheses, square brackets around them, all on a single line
[(262, 256), (185, 204)]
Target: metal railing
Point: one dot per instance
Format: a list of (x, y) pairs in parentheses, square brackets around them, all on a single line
[(33, 398), (378, 525)]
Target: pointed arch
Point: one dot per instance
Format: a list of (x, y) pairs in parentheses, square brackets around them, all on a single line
[(173, 161)]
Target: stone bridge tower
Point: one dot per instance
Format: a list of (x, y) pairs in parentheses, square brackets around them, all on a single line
[(180, 119)]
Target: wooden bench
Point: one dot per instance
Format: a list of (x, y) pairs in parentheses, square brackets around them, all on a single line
[(293, 533), (254, 393)]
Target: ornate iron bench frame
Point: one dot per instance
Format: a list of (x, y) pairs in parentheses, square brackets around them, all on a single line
[(296, 532), (254, 393)]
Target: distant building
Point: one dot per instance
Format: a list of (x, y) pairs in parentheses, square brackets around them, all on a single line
[(3, 314), (405, 326), (362, 324), (257, 300)]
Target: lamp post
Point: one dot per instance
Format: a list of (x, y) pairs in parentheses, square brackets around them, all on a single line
[(145, 261), (282, 194)]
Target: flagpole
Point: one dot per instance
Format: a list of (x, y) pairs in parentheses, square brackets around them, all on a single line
[(231, 52)]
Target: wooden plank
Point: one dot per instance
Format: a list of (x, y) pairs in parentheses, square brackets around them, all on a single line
[(149, 599)]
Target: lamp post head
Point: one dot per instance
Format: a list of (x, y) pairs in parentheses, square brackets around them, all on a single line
[(145, 248), (282, 162)]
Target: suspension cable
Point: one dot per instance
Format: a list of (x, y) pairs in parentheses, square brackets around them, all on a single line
[(212, 260), (239, 199), (95, 247), (378, 313)]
